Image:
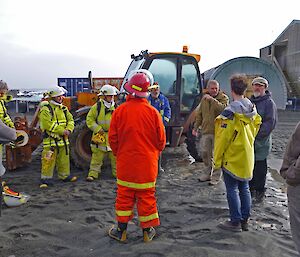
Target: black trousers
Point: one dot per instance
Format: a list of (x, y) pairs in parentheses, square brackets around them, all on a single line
[(258, 181)]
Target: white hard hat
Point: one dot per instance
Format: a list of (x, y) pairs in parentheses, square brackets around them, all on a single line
[(108, 90), (57, 91), (22, 138), (146, 72), (15, 200)]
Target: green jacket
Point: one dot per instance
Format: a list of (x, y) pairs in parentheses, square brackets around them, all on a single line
[(99, 118), (3, 111), (207, 111), (54, 120), (234, 142)]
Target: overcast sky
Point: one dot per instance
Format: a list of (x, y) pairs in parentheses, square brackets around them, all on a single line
[(41, 40)]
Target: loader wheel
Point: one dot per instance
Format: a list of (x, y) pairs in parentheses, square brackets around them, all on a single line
[(191, 145), (80, 146)]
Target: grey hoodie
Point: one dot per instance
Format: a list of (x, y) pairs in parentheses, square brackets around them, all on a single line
[(243, 106)]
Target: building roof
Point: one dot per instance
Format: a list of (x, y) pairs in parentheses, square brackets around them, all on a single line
[(291, 24)]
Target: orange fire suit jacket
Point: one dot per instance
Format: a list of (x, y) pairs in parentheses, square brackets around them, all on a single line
[(136, 137)]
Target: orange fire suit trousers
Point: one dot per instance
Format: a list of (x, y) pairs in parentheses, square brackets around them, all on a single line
[(146, 206)]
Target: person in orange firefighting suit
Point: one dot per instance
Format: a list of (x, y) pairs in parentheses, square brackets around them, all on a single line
[(136, 137)]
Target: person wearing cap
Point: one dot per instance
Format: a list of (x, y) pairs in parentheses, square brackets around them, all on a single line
[(57, 124), (211, 105), (162, 105), (160, 102), (290, 171), (266, 108), (98, 121), (136, 137), (4, 117)]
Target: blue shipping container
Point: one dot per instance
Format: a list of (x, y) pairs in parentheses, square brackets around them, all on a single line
[(74, 85)]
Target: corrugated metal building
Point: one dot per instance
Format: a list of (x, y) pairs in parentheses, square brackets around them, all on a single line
[(252, 67), (285, 53)]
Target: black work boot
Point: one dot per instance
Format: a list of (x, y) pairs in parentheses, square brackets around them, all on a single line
[(148, 234), (260, 196), (245, 225), (231, 226), (118, 233), (46, 183), (70, 178)]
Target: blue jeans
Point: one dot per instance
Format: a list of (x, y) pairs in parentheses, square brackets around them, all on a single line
[(238, 198)]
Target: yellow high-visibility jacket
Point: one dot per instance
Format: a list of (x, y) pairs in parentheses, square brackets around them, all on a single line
[(234, 144), (54, 120), (99, 118), (3, 111)]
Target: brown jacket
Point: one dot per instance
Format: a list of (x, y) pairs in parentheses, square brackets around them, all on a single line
[(208, 110), (290, 169)]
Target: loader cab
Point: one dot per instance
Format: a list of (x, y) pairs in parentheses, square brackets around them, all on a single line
[(179, 78)]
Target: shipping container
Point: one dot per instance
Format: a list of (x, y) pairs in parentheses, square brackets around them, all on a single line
[(75, 85), (99, 82)]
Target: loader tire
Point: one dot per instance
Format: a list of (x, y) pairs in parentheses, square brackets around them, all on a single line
[(191, 145), (80, 146)]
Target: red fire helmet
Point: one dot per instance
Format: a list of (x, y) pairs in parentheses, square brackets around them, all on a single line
[(138, 85)]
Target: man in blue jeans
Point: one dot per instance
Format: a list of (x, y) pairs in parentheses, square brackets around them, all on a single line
[(235, 131)]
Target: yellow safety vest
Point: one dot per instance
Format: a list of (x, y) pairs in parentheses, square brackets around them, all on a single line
[(54, 120), (99, 118)]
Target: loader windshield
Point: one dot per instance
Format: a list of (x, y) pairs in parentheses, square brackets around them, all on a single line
[(164, 72)]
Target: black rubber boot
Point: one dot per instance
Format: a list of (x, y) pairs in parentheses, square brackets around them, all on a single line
[(46, 183), (70, 178), (118, 233), (148, 234), (260, 196), (245, 225)]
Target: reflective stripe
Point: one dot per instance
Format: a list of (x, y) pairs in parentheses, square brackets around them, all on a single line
[(95, 126), (48, 142), (136, 185), (53, 127), (136, 88), (148, 218), (103, 148), (124, 213), (46, 177), (104, 122), (166, 119)]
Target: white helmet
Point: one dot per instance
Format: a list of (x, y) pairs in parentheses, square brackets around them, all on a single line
[(57, 91), (14, 200), (22, 138), (108, 90), (146, 72)]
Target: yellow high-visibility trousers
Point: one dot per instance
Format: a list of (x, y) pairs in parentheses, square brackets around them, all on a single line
[(97, 162), (59, 159)]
